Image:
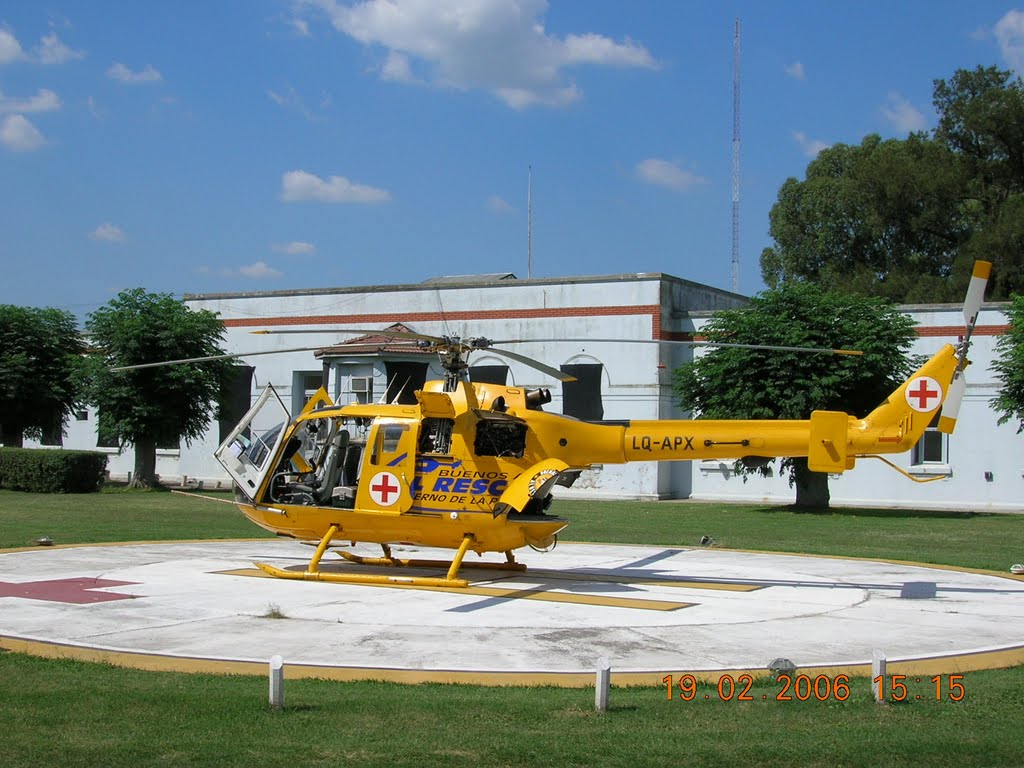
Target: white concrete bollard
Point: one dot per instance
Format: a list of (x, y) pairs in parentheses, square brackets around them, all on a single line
[(602, 684), (277, 682), (878, 675)]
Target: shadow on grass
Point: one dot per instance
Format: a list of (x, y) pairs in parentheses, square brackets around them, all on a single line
[(904, 514)]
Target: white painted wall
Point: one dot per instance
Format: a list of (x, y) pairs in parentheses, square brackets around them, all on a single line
[(637, 383)]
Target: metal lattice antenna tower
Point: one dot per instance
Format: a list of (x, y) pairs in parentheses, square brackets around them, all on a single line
[(529, 221), (736, 158)]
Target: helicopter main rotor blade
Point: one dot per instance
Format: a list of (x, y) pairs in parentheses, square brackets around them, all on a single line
[(770, 347), (552, 372), (366, 331), (208, 358)]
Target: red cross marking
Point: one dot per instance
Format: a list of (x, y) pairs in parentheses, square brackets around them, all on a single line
[(923, 395), (383, 487), (75, 591)]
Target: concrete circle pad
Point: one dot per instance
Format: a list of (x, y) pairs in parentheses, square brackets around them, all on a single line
[(651, 611)]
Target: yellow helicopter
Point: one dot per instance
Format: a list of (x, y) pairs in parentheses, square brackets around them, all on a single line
[(472, 466)]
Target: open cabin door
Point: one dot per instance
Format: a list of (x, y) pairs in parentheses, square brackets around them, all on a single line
[(387, 476), (246, 458)]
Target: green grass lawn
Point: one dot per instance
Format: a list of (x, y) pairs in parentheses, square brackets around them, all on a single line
[(118, 515), (65, 713)]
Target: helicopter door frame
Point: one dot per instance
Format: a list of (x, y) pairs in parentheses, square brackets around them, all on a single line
[(390, 450), (248, 460)]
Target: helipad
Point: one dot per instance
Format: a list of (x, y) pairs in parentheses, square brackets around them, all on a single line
[(650, 611)]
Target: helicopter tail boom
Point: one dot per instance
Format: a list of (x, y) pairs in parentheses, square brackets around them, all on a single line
[(830, 439)]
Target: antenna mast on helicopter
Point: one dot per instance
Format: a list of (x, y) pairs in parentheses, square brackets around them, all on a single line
[(736, 158)]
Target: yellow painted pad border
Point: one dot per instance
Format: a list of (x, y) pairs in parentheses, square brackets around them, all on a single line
[(151, 662)]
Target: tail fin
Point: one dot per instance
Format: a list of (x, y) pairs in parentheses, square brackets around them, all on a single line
[(898, 423), (939, 384)]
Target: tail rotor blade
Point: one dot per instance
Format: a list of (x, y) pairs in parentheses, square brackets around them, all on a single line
[(951, 405), (976, 293)]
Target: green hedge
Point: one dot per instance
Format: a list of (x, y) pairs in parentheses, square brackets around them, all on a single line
[(39, 470)]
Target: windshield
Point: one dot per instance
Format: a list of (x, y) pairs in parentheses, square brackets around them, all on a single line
[(261, 447)]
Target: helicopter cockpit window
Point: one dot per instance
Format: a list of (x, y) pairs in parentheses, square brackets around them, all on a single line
[(260, 449), (388, 438), (436, 436)]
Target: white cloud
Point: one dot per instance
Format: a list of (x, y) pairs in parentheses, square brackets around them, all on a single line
[(499, 204), (301, 27), (796, 71), (810, 147), (288, 98), (518, 98), (94, 109), (294, 248), (109, 233), (904, 116), (44, 101), (1009, 32), (980, 33), (52, 51), (664, 173), (500, 46), (259, 271), (19, 135), (299, 186), (121, 73), (10, 48), (397, 68), (598, 49)]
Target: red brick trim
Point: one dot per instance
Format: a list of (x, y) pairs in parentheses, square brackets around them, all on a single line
[(958, 330), (934, 331), (652, 310)]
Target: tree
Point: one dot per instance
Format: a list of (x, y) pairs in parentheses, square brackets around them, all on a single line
[(40, 362), (150, 407), (907, 218), (1009, 367), (885, 218), (729, 383), (981, 118)]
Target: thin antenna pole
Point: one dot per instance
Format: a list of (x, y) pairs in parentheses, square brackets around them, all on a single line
[(736, 158), (529, 221)]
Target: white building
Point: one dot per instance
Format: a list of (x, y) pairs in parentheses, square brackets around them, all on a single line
[(569, 321)]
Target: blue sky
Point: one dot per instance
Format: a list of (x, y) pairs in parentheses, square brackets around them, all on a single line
[(225, 146)]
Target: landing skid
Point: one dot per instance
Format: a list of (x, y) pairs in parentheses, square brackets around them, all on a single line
[(313, 572)]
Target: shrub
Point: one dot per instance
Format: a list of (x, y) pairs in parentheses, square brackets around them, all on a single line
[(51, 471)]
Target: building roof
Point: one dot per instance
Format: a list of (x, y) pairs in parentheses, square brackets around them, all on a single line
[(376, 343), (466, 281)]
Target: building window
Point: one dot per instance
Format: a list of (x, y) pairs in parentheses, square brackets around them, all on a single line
[(237, 399), (102, 440), (54, 435), (81, 415), (933, 447), (362, 389), (404, 379), (489, 374), (304, 385), (582, 398)]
